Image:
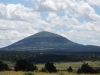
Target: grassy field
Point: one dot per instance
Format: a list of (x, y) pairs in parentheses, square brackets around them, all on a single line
[(63, 66), (39, 73)]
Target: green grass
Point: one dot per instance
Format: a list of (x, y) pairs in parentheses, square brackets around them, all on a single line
[(63, 66)]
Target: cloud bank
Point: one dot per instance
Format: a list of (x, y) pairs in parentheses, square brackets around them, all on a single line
[(76, 20)]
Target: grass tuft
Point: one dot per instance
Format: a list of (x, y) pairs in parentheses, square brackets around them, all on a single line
[(29, 73)]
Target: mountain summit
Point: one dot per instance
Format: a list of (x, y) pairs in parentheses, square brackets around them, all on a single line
[(42, 40), (47, 41)]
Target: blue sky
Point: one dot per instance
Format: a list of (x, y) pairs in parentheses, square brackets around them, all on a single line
[(77, 20)]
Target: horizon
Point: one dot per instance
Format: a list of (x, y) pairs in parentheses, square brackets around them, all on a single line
[(77, 20)]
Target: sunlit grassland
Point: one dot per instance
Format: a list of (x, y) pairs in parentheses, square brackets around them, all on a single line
[(63, 66), (39, 73)]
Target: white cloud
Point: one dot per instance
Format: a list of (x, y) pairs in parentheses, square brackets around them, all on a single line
[(74, 34), (94, 2), (18, 12), (74, 28), (95, 41), (49, 5), (76, 8), (18, 21), (82, 9), (54, 20)]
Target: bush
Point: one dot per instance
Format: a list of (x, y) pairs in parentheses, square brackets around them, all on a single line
[(3, 66), (29, 73), (44, 70), (70, 69), (98, 70), (24, 65), (86, 69), (50, 67)]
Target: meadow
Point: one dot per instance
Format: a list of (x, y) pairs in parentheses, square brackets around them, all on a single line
[(61, 66)]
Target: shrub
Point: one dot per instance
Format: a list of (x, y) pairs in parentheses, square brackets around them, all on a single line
[(70, 69), (50, 67), (24, 65), (86, 69), (98, 70), (44, 70), (3, 66), (29, 73)]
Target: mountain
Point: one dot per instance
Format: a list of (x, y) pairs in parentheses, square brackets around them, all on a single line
[(49, 42)]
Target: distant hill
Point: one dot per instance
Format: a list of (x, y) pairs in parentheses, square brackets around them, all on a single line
[(49, 42)]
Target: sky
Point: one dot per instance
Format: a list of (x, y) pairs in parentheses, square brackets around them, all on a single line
[(77, 20)]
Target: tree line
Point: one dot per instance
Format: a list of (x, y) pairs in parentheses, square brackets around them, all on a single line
[(24, 65), (42, 58)]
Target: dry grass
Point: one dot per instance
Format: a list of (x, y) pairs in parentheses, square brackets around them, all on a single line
[(61, 66), (11, 73), (75, 65), (40, 73)]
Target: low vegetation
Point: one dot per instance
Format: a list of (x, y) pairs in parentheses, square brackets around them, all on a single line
[(37, 64), (24, 67), (3, 66), (39, 73)]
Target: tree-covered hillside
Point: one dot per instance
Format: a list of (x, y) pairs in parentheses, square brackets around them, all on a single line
[(49, 42)]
